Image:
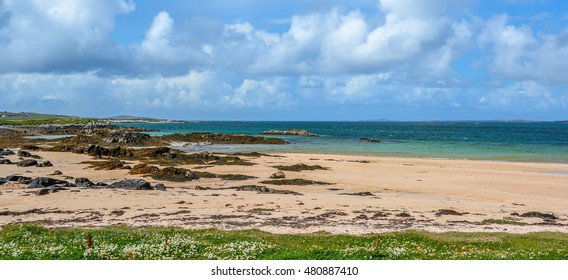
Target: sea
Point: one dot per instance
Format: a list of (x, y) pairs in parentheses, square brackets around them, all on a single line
[(499, 141)]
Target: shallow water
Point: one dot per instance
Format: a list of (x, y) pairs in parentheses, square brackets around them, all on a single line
[(510, 141)]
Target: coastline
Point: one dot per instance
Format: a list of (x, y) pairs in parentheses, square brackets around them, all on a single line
[(437, 195)]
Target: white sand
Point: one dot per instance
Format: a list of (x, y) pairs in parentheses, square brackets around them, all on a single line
[(419, 188)]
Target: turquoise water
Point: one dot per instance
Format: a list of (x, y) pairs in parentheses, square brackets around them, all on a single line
[(509, 141)]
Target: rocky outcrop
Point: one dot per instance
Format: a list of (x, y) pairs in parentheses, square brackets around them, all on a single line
[(83, 183), (7, 153), (100, 151), (128, 138), (370, 140), (297, 132), (18, 179), (22, 153), (27, 162), (5, 161), (215, 138), (42, 182), (133, 184)]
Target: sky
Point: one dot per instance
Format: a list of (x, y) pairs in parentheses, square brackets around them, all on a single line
[(286, 60)]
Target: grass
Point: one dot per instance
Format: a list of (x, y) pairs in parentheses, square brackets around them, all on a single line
[(40, 121), (504, 222), (27, 241)]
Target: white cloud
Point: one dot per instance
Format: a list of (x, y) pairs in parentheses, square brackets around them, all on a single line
[(58, 35), (519, 54), (520, 96), (259, 94)]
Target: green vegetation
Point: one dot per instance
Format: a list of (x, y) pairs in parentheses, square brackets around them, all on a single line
[(38, 119), (504, 222), (28, 241)]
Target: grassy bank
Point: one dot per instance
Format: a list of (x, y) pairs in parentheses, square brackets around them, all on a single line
[(37, 242)]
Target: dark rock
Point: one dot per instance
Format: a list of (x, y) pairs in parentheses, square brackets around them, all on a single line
[(442, 212), (5, 161), (403, 215), (83, 182), (27, 162), (42, 192), (46, 163), (128, 138), (2, 181), (278, 175), (99, 151), (298, 132), (535, 214), (131, 184), (42, 182), (16, 178), (57, 172), (370, 140), (7, 153), (24, 180), (22, 153), (160, 187)]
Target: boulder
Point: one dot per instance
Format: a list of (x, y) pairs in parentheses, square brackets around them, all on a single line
[(5, 161), (2, 181), (7, 153), (22, 153), (160, 187), (83, 183), (46, 163), (278, 175), (131, 184), (57, 172), (17, 178), (27, 162), (42, 182)]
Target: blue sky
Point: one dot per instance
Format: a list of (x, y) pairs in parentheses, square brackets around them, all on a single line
[(286, 60)]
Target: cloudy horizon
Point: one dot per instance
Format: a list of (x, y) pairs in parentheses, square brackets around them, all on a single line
[(286, 60)]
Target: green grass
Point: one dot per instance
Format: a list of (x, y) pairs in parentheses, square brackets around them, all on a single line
[(39, 121), (28, 241)]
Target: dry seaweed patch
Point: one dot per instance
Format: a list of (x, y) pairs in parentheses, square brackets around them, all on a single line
[(106, 164), (175, 174), (295, 182), (300, 167)]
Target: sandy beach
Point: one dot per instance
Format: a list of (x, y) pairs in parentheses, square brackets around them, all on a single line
[(365, 195)]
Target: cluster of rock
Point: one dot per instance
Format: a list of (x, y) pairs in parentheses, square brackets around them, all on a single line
[(127, 138), (24, 162), (100, 151), (46, 185), (297, 132), (217, 138)]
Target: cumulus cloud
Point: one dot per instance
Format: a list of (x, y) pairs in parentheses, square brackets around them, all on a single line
[(520, 54), (52, 36)]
